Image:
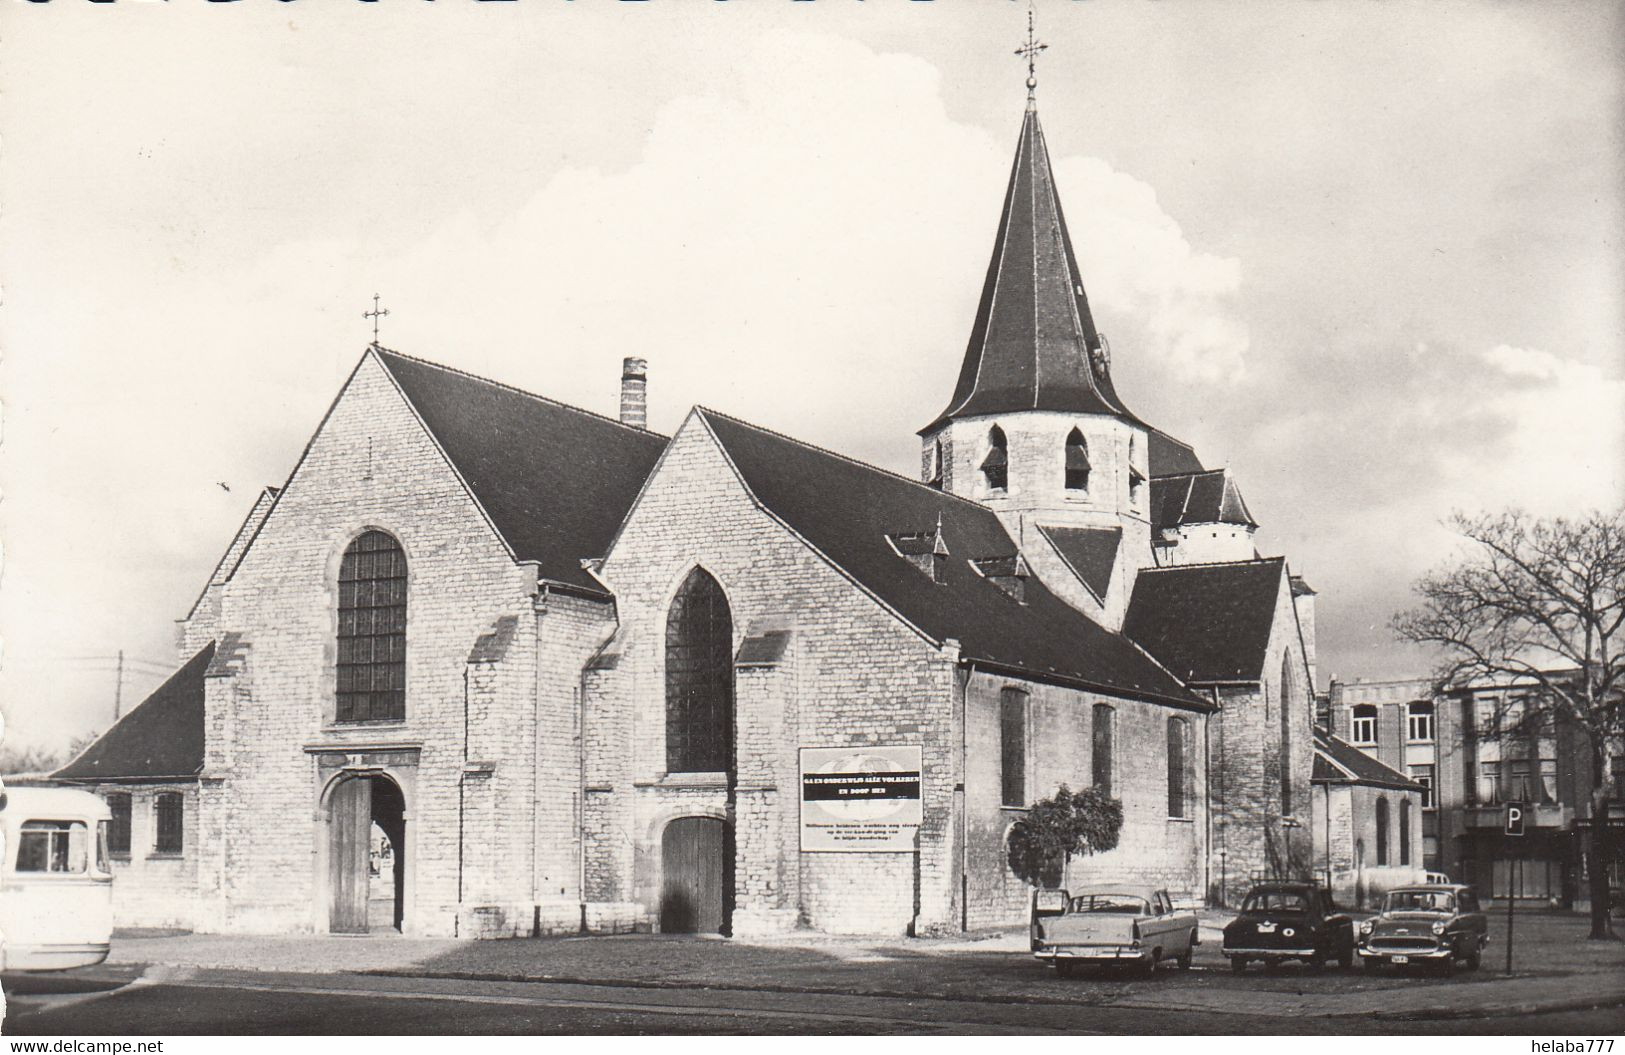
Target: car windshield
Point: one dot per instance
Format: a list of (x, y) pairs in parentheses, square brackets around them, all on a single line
[(1275, 901), (1110, 903), (1420, 901)]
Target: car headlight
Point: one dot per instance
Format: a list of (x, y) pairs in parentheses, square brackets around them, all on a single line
[(1366, 926), (1439, 928)]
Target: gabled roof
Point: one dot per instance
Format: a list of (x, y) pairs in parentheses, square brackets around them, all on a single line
[(1207, 623), (161, 738), (555, 480), (1339, 762), (846, 509), (1091, 553), (227, 565), (1033, 345), (1209, 497)]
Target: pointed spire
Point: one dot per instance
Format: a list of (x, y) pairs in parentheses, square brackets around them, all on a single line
[(1034, 345)]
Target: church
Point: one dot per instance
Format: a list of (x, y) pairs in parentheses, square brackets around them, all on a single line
[(489, 665)]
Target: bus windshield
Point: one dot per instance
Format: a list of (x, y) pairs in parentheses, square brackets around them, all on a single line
[(53, 846)]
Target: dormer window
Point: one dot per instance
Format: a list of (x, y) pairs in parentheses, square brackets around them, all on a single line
[(926, 550), (996, 466), (1007, 573), (1077, 462)]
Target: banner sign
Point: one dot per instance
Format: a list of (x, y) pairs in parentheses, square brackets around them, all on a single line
[(860, 799)]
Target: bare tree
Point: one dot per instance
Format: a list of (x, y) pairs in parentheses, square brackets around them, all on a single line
[(1540, 603)]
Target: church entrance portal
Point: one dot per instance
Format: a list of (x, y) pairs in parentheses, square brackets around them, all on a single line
[(366, 822), (696, 894)]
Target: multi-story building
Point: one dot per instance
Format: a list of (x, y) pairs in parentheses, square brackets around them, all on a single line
[(1473, 750)]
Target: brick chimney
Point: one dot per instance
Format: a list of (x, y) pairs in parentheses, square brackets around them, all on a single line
[(635, 393)]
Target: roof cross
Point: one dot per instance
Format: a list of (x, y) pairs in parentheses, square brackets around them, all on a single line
[(375, 314), (1030, 51)]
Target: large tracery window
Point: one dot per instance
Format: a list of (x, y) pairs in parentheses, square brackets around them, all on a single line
[(372, 630), (699, 678)]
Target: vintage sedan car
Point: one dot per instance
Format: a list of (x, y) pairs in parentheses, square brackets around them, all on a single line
[(1117, 923), (1288, 921), (1436, 923)]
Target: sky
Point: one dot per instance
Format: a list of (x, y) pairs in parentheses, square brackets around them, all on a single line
[(1365, 255)]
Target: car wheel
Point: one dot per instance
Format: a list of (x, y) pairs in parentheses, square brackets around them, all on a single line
[(1371, 964), (1475, 959), (1184, 959), (1317, 962), (1066, 969), (1345, 959), (1238, 964), (1271, 966)]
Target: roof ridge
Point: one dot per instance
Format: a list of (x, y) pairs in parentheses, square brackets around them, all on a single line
[(1176, 476), (515, 390), (1216, 564), (846, 458)]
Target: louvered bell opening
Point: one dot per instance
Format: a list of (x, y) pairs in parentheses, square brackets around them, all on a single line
[(996, 467), (1077, 467)]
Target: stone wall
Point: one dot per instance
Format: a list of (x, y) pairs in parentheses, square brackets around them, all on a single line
[(271, 708), (152, 889), (1153, 848)]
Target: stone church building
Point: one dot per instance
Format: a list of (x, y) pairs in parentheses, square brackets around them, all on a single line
[(575, 675)]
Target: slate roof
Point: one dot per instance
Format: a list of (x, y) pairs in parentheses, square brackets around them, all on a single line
[(1091, 553), (555, 480), (160, 738), (1209, 497), (1207, 622), (846, 509), (1339, 762), (1168, 456)]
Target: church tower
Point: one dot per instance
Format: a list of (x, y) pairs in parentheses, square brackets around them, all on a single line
[(1035, 429)]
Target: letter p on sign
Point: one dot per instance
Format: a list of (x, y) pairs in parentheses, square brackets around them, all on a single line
[(1514, 818)]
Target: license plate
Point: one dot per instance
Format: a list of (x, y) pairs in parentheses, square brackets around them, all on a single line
[(1402, 959), (1266, 928)]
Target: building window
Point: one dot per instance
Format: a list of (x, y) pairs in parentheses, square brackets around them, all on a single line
[(53, 846), (372, 630), (996, 466), (1519, 785), (1013, 747), (1405, 831), (1077, 462), (1101, 760), (168, 810), (1548, 780), (1616, 766), (699, 678), (1423, 775), (1489, 783), (1382, 830), (118, 830), (934, 471), (1363, 726), (1136, 479), (1419, 722), (1178, 766), (1289, 704)]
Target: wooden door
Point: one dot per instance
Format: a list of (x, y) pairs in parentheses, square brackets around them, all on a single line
[(349, 823), (696, 859)]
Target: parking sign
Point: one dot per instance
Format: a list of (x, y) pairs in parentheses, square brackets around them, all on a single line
[(1514, 818)]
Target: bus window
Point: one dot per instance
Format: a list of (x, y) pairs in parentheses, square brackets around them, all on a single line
[(102, 864), (52, 846)]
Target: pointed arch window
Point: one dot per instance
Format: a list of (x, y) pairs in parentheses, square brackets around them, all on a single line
[(372, 630), (1289, 703), (1405, 831), (1077, 462), (699, 678), (1136, 479), (996, 466), (1178, 767), (1101, 754), (934, 473), (1382, 830)]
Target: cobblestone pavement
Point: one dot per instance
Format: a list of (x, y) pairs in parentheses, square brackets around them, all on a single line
[(1554, 968)]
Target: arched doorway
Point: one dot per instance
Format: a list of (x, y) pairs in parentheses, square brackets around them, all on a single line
[(696, 896), (366, 826)]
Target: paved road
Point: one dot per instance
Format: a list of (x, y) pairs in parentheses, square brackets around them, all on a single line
[(193, 1001)]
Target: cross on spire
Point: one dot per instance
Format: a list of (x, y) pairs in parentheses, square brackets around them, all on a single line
[(1030, 51), (375, 314)]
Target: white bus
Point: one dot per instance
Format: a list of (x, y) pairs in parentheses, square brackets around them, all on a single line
[(56, 888)]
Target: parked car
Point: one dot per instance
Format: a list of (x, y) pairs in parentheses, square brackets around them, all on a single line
[(1289, 921), (1436, 924), (1111, 924)]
